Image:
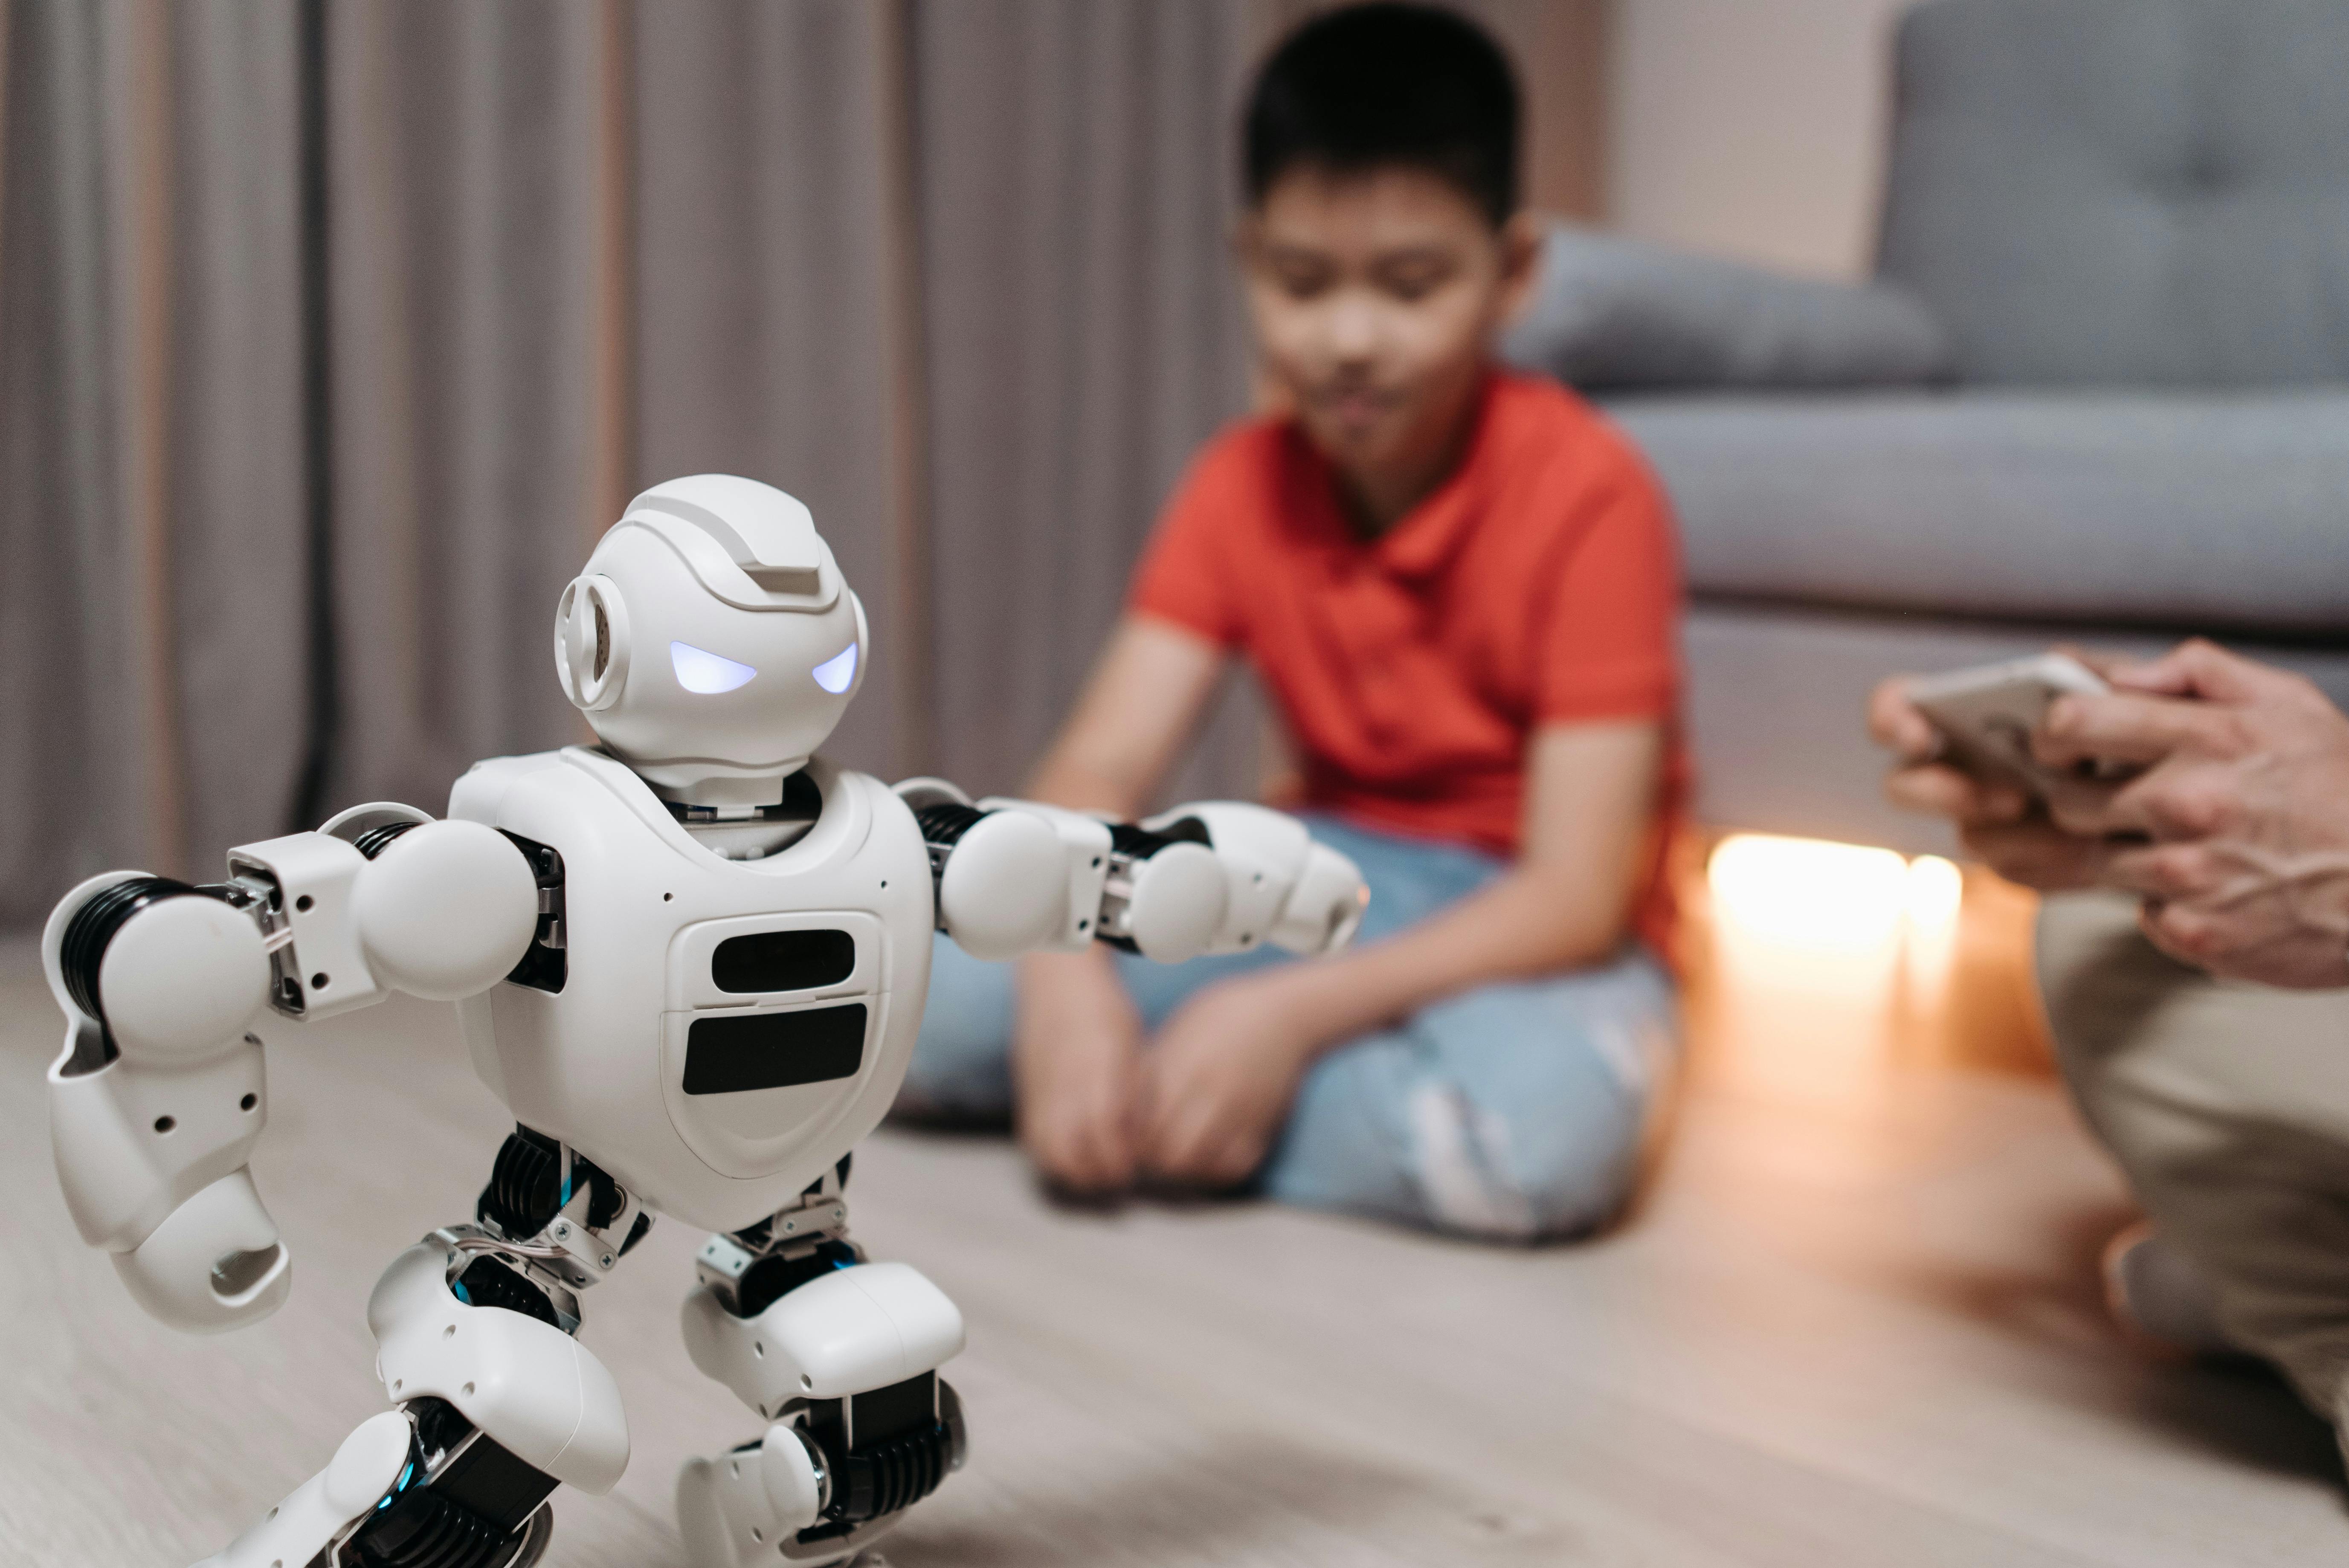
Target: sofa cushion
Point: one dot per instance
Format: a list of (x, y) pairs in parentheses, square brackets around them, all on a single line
[(2126, 192), (1612, 314), (2213, 511)]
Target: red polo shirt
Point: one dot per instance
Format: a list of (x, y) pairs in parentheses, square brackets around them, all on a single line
[(1539, 584)]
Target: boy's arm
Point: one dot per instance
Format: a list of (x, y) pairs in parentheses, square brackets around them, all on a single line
[(1224, 1070), (1076, 1054), (1139, 705)]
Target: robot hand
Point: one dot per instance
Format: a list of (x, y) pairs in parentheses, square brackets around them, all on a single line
[(1280, 886), (158, 1097), (1222, 876)]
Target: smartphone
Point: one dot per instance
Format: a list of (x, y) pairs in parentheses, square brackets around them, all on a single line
[(1987, 714)]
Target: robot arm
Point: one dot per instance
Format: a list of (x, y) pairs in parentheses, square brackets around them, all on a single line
[(1220, 876), (159, 1096)]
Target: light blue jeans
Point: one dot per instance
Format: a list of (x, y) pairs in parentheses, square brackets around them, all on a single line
[(1513, 1111)]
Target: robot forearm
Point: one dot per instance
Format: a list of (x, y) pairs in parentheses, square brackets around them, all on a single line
[(159, 1096), (1015, 876)]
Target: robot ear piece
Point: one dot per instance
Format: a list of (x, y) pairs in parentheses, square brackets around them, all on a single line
[(591, 643)]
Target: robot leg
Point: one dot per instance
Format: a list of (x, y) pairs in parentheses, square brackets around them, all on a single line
[(494, 1405), (364, 1472), (388, 1497), (457, 1475), (841, 1357)]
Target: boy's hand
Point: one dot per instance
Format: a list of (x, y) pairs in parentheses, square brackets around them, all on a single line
[(1219, 1080), (1076, 1066)]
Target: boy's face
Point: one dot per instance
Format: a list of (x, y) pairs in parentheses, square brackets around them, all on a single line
[(1376, 295)]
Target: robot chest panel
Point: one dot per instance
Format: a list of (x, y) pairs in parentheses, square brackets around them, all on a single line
[(724, 1019), (774, 1000), (787, 1022)]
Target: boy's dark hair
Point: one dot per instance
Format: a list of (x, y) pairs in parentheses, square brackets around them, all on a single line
[(1382, 84)]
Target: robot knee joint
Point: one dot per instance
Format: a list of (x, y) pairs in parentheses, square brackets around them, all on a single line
[(531, 1387), (843, 1333), (845, 1365)]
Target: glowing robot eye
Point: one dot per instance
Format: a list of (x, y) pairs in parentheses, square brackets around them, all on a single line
[(707, 674), (834, 673)]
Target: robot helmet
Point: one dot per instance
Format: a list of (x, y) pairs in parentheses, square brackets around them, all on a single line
[(711, 641)]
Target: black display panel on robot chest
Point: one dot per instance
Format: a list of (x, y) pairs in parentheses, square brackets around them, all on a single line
[(771, 1051), (782, 960), (775, 1001)]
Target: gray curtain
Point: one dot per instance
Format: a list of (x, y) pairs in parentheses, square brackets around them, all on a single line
[(571, 258), (1084, 335), (953, 273), (461, 185), (767, 332), (154, 623)]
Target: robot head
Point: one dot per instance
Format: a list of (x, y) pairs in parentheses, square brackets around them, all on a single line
[(710, 641)]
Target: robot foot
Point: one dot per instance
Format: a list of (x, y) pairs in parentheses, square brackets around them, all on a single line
[(365, 1470), (801, 1495), (753, 1504), (373, 1507)]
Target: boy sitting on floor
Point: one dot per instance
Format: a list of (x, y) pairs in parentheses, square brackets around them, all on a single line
[(1460, 588)]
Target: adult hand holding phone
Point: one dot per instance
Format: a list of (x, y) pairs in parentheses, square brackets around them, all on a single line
[(2234, 832), (2002, 819), (2240, 814)]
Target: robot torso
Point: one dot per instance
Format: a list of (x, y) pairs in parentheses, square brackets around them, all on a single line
[(712, 1031)]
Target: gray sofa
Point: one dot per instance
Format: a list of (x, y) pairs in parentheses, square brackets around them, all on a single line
[(2098, 389)]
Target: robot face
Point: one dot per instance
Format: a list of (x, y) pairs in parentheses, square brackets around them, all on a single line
[(710, 641)]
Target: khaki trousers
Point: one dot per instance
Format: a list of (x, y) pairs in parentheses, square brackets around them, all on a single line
[(2227, 1105)]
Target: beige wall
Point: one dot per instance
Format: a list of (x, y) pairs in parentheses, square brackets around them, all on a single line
[(1751, 129)]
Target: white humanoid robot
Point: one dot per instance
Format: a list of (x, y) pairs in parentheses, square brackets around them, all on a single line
[(692, 964)]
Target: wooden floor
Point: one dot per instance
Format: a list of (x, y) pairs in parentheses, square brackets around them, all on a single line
[(1852, 1323)]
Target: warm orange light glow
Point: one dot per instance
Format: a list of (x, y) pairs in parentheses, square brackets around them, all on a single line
[(1936, 888), (1820, 973), (1812, 894), (1834, 951), (1808, 893)]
